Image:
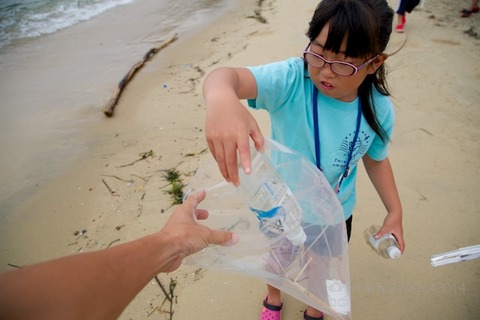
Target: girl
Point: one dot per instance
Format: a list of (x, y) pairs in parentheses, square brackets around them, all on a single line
[(332, 106)]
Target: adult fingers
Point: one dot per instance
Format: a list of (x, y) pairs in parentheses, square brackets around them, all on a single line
[(220, 237), (193, 200)]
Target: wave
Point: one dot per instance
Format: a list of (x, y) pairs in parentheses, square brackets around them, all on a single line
[(33, 18)]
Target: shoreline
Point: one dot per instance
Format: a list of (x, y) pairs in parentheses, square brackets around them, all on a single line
[(54, 86), (434, 153)]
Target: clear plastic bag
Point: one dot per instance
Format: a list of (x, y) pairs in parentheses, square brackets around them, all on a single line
[(316, 272)]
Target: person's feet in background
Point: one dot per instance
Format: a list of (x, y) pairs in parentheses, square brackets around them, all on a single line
[(402, 19), (404, 7), (473, 9)]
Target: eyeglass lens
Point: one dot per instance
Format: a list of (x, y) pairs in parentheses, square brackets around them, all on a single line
[(337, 67)]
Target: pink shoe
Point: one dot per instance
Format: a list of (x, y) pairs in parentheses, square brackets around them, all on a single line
[(271, 312), (400, 28)]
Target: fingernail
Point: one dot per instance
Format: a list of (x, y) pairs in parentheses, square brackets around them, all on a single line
[(233, 240)]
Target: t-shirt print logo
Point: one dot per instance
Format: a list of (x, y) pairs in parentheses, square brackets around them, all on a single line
[(359, 148)]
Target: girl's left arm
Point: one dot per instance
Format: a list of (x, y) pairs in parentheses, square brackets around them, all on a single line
[(381, 175)]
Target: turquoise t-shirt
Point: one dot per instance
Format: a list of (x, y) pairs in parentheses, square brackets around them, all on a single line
[(285, 91)]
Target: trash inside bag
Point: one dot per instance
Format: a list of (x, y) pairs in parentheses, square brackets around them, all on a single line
[(290, 225)]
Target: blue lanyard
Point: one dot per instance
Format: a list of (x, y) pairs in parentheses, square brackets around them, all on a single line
[(317, 138)]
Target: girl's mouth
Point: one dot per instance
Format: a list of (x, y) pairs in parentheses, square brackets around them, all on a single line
[(326, 85)]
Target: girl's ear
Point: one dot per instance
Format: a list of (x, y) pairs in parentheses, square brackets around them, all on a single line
[(377, 62)]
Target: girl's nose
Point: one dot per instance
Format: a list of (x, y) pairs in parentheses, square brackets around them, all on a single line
[(327, 71)]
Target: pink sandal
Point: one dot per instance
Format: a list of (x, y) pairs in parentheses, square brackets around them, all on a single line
[(271, 312)]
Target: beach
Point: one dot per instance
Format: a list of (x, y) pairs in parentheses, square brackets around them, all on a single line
[(117, 191), (53, 86)]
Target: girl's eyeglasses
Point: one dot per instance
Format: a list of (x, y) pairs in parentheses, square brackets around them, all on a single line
[(341, 68)]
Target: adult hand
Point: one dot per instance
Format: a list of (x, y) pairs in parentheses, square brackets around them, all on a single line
[(185, 230), (100, 284)]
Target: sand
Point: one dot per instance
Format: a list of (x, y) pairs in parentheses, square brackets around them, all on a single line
[(434, 80)]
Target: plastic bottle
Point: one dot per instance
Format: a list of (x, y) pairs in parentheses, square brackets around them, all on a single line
[(386, 246), (269, 197)]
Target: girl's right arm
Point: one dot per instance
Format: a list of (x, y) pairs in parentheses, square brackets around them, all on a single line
[(228, 123), (381, 175)]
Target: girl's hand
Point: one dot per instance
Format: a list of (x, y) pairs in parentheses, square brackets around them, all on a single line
[(393, 224), (227, 130), (381, 175), (229, 124)]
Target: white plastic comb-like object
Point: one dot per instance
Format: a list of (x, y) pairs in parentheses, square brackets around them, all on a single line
[(454, 256)]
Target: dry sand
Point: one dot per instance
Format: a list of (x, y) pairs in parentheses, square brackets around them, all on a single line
[(434, 80)]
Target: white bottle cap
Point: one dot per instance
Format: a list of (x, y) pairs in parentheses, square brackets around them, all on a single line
[(297, 238), (394, 252)]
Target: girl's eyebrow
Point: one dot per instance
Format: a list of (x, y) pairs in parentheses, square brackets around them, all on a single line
[(315, 42)]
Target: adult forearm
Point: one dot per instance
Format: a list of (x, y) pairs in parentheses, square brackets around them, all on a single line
[(97, 285)]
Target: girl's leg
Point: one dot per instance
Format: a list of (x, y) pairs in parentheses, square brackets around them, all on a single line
[(274, 296), (272, 305)]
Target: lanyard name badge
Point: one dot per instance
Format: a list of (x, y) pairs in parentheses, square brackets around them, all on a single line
[(317, 139)]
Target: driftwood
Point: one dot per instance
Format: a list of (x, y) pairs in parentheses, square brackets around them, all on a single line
[(110, 105)]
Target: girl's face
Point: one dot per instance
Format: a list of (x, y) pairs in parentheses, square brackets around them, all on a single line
[(343, 88)]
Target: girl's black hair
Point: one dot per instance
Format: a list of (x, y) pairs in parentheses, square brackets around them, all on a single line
[(366, 26)]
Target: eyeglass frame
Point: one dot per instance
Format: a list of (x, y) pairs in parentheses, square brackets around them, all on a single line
[(355, 68)]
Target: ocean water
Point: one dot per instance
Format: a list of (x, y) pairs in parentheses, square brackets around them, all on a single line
[(59, 63), (32, 18)]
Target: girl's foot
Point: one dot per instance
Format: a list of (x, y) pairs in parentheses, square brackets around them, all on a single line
[(307, 317), (271, 312)]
